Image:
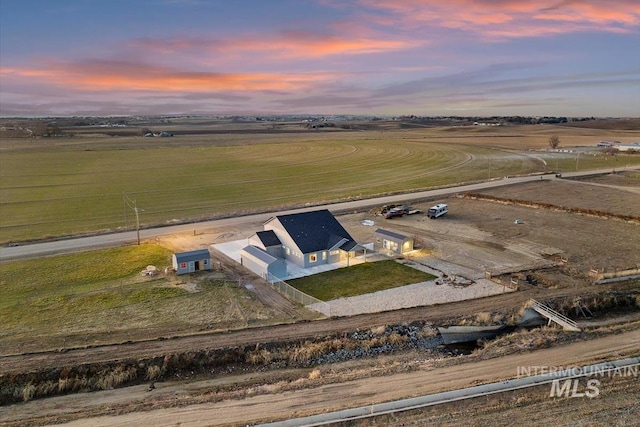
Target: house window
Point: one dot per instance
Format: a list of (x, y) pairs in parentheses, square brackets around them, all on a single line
[(313, 258), (334, 252), (392, 246), (324, 256), (183, 265)]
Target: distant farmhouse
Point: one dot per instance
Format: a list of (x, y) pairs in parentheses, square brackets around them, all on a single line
[(633, 147), (306, 239), (619, 146)]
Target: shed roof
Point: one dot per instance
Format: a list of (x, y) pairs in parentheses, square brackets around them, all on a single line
[(196, 255), (390, 234), (258, 254), (315, 231)]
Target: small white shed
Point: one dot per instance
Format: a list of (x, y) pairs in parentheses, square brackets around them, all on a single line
[(393, 242)]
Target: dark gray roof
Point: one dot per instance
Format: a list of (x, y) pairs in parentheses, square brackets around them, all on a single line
[(196, 255), (259, 254), (391, 234), (268, 238), (351, 245), (316, 231)]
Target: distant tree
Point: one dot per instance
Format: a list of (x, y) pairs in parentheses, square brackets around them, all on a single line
[(554, 141), (53, 130), (38, 128)]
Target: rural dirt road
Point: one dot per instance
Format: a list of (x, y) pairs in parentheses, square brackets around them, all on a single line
[(365, 391), (116, 239)]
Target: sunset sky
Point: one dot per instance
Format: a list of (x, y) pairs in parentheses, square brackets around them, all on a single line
[(374, 57)]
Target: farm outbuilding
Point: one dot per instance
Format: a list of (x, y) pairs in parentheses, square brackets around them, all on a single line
[(394, 242), (192, 261), (262, 263), (634, 146)]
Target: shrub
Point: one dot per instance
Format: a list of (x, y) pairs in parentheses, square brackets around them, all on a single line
[(315, 374), (153, 372), (28, 392)]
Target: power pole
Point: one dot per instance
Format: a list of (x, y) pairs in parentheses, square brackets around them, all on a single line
[(133, 204), (135, 208)]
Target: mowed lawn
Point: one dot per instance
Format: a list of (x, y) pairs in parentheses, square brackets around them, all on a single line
[(100, 296), (359, 280), (68, 186)]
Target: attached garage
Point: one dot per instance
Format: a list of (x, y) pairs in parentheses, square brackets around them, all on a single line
[(393, 242), (192, 261), (262, 263)]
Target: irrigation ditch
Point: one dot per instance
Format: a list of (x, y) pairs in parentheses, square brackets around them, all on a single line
[(309, 352)]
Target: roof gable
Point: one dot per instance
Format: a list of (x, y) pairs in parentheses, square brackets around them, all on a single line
[(268, 238), (315, 231)]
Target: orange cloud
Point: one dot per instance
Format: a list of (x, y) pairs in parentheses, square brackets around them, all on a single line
[(291, 44), (511, 18), (114, 76)]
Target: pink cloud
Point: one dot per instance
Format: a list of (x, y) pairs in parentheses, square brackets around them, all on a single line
[(101, 75), (287, 44), (511, 18)]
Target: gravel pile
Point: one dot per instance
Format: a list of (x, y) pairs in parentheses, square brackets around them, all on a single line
[(415, 340)]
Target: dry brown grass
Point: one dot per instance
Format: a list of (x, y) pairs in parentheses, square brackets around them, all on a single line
[(153, 372), (484, 318), (315, 374), (378, 330)]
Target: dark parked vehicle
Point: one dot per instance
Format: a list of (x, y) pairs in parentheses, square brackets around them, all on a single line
[(393, 213)]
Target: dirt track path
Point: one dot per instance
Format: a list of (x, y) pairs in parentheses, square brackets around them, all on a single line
[(425, 380)]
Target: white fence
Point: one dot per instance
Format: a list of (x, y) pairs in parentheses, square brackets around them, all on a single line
[(298, 296)]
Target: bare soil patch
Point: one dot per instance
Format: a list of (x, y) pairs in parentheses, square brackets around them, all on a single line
[(619, 199), (477, 235), (624, 179)]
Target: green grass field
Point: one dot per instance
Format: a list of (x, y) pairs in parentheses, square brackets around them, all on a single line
[(65, 186), (99, 296), (359, 280)]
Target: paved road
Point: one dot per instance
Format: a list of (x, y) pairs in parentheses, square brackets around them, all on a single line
[(117, 239)]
